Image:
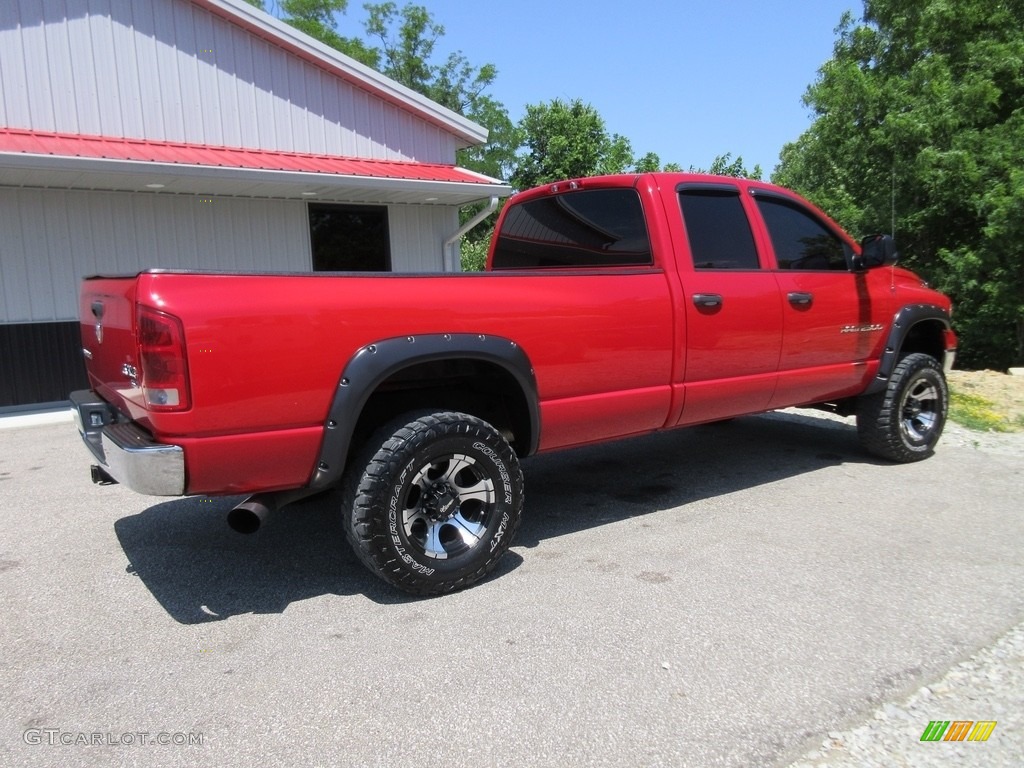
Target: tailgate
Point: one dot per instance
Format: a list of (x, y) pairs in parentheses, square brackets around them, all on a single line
[(107, 313)]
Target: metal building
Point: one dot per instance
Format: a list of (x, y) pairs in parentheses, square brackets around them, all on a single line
[(200, 134)]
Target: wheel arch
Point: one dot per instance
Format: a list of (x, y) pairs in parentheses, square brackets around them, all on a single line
[(489, 377), (915, 328)]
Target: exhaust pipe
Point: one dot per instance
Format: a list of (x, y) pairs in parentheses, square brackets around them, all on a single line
[(248, 516), (100, 476), (255, 511)]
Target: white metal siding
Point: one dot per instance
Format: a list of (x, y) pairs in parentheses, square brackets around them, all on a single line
[(50, 239), (168, 70), (418, 233)]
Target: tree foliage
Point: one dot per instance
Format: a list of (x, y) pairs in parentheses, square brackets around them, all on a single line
[(408, 39), (318, 19), (919, 128), (473, 254), (724, 165), (567, 140)]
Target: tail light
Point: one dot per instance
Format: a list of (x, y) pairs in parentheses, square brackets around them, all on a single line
[(162, 359)]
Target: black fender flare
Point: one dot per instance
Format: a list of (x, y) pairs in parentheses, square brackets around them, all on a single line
[(375, 363), (902, 323)]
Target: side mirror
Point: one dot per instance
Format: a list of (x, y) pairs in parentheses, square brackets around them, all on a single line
[(876, 251)]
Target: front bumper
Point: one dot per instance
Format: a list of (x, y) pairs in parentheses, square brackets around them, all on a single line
[(948, 360), (126, 452)]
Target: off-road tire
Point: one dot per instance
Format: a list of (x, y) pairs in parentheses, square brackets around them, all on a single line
[(433, 502), (904, 421)]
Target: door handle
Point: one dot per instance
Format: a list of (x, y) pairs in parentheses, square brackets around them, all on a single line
[(707, 299), (799, 299)]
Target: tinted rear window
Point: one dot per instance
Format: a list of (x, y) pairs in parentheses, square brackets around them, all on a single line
[(588, 228)]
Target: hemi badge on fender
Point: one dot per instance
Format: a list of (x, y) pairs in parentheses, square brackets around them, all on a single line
[(861, 328)]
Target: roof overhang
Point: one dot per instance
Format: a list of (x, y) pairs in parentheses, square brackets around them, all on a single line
[(50, 160)]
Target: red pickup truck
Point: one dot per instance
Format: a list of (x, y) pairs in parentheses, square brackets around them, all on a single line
[(611, 307)]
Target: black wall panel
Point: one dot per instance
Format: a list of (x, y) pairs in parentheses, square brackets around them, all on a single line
[(40, 362)]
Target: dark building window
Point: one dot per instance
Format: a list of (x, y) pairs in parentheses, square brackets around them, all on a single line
[(349, 238)]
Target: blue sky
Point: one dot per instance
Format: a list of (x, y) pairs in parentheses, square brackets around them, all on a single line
[(689, 79)]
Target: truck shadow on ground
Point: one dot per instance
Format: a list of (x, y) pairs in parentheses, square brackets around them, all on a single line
[(199, 570), (580, 489)]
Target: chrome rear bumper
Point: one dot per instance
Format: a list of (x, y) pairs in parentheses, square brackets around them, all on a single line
[(125, 452)]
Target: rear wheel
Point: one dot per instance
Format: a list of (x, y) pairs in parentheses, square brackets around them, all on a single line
[(434, 502), (904, 421)]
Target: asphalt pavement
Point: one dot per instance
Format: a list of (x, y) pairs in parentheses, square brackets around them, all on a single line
[(746, 594)]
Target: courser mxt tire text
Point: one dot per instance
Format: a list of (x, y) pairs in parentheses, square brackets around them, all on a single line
[(433, 502), (904, 421)]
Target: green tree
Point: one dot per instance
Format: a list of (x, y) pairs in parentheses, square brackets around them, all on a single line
[(567, 140), (919, 128), (317, 18), (724, 165), (473, 254), (403, 48), (649, 163), (408, 39)]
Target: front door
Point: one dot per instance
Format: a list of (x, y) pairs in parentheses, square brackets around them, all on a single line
[(832, 327)]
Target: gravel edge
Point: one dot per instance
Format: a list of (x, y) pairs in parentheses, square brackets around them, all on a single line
[(988, 686)]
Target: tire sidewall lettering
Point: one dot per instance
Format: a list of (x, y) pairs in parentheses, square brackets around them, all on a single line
[(499, 465), (500, 533), (397, 539), (506, 486)]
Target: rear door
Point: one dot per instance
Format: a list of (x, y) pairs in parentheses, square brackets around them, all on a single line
[(833, 318), (731, 310)]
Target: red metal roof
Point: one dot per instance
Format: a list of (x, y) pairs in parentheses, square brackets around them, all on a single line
[(28, 142)]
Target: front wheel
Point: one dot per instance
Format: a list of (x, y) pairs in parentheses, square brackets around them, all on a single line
[(434, 502), (904, 421)]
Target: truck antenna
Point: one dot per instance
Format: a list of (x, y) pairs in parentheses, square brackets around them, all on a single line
[(892, 201)]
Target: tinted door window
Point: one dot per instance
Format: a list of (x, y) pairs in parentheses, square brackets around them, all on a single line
[(718, 230), (588, 228), (801, 242)]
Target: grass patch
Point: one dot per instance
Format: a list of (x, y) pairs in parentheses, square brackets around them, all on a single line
[(978, 413)]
